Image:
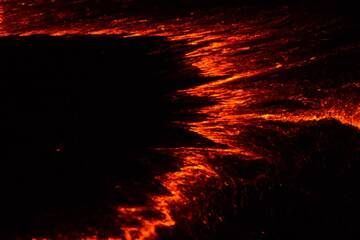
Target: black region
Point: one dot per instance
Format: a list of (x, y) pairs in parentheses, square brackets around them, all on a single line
[(80, 114)]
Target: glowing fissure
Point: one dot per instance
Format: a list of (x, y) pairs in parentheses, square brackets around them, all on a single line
[(176, 183)]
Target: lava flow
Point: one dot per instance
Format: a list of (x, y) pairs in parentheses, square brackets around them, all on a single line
[(247, 58)]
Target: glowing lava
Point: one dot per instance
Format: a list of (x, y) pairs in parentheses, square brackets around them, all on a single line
[(234, 53)]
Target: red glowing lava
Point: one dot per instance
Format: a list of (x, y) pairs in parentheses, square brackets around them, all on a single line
[(231, 52)]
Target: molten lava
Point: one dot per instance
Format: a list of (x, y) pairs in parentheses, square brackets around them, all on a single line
[(240, 55)]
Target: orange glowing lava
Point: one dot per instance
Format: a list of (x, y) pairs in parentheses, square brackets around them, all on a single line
[(232, 53)]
